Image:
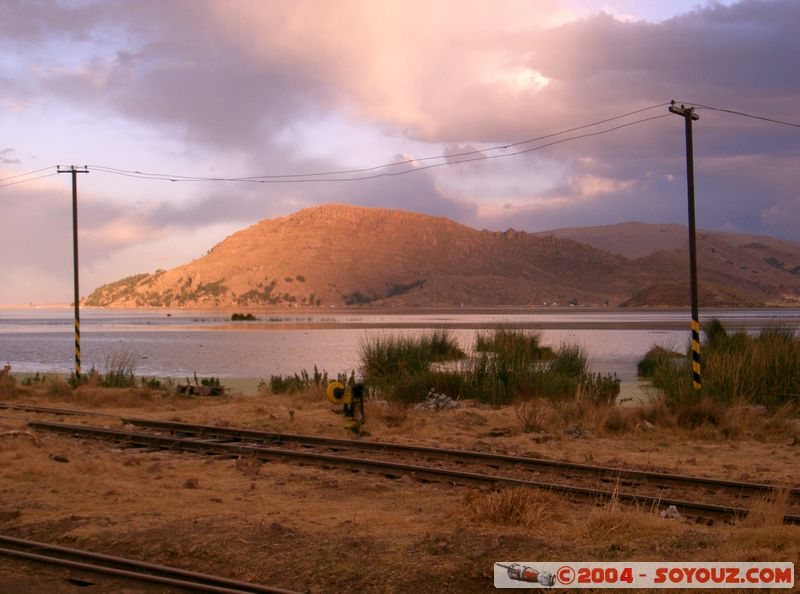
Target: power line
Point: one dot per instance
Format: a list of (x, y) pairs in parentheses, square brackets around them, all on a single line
[(25, 181), (742, 114), (176, 178), (274, 179), (25, 174)]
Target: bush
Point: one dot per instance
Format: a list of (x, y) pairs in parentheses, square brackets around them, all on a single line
[(240, 317)]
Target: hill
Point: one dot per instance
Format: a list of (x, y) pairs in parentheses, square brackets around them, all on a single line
[(348, 255)]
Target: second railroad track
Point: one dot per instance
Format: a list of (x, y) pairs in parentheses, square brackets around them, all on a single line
[(705, 499)]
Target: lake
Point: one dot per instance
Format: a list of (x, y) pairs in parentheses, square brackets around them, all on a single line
[(178, 343)]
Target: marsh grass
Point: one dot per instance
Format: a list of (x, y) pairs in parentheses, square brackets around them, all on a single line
[(509, 365), (514, 343), (385, 358), (758, 370)]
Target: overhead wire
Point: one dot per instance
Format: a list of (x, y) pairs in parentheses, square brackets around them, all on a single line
[(443, 160), (307, 178), (26, 173), (171, 177), (25, 181), (741, 113)]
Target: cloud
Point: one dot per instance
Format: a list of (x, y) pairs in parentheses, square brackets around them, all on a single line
[(782, 216), (251, 87), (7, 157)]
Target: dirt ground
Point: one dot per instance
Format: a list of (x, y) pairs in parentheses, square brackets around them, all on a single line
[(315, 530)]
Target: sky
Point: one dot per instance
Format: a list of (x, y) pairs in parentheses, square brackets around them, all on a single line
[(253, 88)]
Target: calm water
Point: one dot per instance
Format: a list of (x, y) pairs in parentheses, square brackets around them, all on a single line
[(206, 343)]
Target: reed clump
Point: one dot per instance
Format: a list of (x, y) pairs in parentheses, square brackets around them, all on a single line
[(759, 370), (385, 359), (508, 365)]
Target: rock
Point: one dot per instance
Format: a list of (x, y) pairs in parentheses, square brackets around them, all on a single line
[(436, 401), (671, 513), (192, 483), (58, 458)]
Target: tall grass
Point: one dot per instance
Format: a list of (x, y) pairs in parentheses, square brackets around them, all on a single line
[(760, 370), (386, 358), (120, 371), (513, 342), (508, 365)]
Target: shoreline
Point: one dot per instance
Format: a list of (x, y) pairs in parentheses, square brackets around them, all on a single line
[(631, 392), (382, 310)]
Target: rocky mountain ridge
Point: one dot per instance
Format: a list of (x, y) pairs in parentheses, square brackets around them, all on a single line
[(339, 255)]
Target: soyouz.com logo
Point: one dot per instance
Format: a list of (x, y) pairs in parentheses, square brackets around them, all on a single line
[(691, 574)]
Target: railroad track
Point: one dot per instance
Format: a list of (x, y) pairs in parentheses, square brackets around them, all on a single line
[(709, 499), (54, 411), (128, 568), (656, 483)]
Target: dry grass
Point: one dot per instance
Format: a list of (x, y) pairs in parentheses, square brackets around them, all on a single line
[(277, 523), (392, 414), (516, 506), (532, 414), (768, 511)]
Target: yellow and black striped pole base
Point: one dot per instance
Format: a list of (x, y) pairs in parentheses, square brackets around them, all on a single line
[(77, 349), (696, 379)]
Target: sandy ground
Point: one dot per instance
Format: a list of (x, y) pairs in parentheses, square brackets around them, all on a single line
[(315, 530)]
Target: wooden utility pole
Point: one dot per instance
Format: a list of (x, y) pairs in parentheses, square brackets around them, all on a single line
[(689, 114), (75, 171)]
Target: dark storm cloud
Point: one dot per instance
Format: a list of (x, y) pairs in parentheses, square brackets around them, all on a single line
[(170, 67)]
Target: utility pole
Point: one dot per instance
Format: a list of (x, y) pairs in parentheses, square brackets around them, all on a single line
[(689, 114), (75, 171)]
